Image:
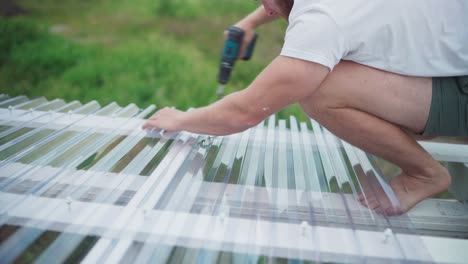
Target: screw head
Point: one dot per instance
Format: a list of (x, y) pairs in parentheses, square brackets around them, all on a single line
[(304, 227), (387, 235)]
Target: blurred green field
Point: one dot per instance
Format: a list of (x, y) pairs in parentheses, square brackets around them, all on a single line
[(163, 52)]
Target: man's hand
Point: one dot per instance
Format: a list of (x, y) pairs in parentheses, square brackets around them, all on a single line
[(249, 33), (249, 24), (165, 119)]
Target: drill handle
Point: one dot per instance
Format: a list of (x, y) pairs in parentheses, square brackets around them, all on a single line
[(250, 48)]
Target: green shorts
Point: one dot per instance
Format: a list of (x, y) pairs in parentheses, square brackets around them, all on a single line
[(448, 115)]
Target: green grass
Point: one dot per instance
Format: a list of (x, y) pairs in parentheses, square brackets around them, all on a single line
[(145, 52)]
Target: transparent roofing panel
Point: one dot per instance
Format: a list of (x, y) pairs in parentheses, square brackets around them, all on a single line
[(86, 183)]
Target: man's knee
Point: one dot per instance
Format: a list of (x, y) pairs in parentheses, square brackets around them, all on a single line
[(401, 100)]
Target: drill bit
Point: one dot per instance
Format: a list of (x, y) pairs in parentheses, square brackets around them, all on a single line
[(220, 91)]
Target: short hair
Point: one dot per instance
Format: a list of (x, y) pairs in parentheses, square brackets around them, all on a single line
[(286, 6)]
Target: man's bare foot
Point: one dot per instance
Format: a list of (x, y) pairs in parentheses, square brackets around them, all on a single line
[(408, 189)]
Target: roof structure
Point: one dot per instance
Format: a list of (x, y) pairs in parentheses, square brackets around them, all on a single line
[(84, 182)]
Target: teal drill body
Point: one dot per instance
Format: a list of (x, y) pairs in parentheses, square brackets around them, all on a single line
[(230, 53)]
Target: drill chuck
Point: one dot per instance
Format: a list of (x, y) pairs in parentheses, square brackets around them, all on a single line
[(224, 73)]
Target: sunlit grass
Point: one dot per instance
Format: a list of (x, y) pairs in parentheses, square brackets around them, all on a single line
[(145, 52)]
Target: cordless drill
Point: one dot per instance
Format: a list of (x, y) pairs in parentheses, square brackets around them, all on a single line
[(230, 54)]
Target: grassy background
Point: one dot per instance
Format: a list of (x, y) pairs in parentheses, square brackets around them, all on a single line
[(163, 52)]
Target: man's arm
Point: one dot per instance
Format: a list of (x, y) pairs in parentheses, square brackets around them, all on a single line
[(285, 81), (249, 24)]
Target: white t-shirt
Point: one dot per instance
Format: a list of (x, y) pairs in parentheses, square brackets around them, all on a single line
[(410, 37)]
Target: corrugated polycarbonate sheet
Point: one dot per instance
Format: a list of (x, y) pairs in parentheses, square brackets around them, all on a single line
[(86, 183)]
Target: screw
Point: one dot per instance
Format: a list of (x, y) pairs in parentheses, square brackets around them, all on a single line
[(224, 207), (387, 235), (304, 228), (210, 140), (202, 143), (222, 217), (205, 143), (69, 202)]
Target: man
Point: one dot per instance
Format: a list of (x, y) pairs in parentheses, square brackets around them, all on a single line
[(376, 73)]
